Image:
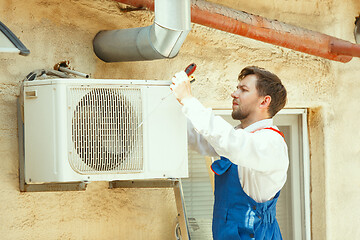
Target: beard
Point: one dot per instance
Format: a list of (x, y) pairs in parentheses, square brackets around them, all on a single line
[(239, 114)]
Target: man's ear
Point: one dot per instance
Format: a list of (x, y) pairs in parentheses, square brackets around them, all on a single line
[(265, 103)]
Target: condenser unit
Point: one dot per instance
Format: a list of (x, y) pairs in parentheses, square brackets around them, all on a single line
[(102, 130)]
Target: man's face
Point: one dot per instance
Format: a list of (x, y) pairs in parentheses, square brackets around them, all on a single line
[(245, 98)]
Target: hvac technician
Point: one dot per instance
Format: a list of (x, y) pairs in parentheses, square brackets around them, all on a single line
[(253, 156)]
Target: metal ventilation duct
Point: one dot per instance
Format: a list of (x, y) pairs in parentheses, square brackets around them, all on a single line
[(162, 39)]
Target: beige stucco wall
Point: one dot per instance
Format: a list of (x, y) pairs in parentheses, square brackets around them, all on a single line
[(63, 30)]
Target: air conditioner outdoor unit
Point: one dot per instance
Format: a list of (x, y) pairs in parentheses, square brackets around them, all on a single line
[(102, 130)]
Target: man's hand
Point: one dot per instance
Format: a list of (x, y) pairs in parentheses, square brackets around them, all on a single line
[(181, 86)]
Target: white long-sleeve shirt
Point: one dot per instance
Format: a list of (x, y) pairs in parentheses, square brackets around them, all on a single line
[(261, 156)]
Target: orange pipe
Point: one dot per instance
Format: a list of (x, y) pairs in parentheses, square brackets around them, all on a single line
[(265, 30)]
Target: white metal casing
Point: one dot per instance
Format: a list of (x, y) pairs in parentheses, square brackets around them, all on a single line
[(49, 141)]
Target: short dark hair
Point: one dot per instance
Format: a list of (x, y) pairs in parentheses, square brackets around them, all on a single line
[(267, 84)]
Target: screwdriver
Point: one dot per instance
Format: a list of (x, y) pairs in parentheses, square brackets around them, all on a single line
[(190, 70)]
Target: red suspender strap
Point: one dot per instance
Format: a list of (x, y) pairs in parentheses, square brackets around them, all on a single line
[(270, 128)]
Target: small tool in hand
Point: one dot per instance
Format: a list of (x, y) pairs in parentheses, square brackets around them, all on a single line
[(190, 70)]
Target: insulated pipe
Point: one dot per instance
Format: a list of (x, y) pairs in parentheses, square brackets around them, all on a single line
[(162, 39), (265, 30)]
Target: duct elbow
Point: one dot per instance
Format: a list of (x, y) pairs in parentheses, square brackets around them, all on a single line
[(163, 39), (167, 41)]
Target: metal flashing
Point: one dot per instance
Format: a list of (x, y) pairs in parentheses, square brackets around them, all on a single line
[(14, 40)]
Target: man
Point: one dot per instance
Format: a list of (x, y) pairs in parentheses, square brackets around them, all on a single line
[(253, 156)]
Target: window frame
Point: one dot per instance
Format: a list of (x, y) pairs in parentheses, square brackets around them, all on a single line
[(304, 184)]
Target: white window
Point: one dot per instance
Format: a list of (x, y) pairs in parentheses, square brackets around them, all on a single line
[(293, 207)]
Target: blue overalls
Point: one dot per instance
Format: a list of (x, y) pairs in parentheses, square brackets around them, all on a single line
[(236, 215)]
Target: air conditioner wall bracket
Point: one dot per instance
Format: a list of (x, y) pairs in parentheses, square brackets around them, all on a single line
[(170, 183)]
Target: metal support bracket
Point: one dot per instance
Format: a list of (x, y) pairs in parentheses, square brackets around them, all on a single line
[(53, 187), (45, 187), (179, 197)]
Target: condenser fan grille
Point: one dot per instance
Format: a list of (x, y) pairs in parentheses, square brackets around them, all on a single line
[(106, 130)]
